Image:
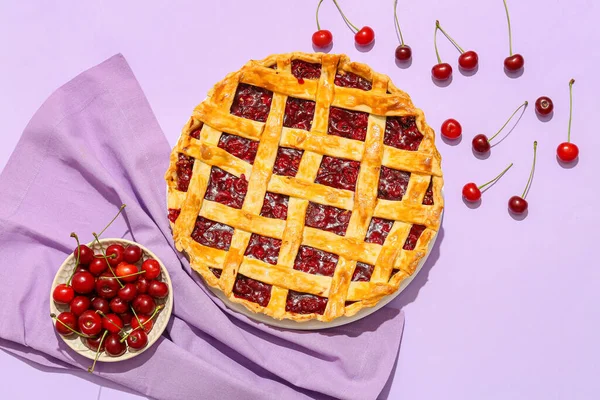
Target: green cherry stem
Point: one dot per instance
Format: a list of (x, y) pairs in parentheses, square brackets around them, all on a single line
[(106, 259), (437, 23), (111, 322), (571, 82), (496, 178), (509, 29), (532, 170), (317, 16), (124, 276), (54, 317), (345, 19), (91, 369), (437, 54), (397, 23), (508, 120), (112, 220), (141, 325), (74, 235)]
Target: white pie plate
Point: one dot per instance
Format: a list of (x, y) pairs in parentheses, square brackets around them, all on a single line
[(160, 322)]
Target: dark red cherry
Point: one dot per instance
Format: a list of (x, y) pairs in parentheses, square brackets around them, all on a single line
[(471, 192), (514, 63), (132, 253), (468, 60), (80, 304), (118, 305), (128, 292), (83, 282), (90, 323), (403, 52), (66, 318), (143, 304), (86, 254), (98, 265), (517, 204), (158, 290), (115, 253), (113, 345), (544, 106), (107, 285), (442, 71), (481, 143), (138, 339), (63, 294), (100, 304)]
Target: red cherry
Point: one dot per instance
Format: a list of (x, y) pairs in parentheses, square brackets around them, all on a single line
[(86, 254), (98, 265), (517, 205), (100, 304), (152, 269), (442, 71), (128, 292), (514, 63), (544, 106), (142, 285), (365, 36), (112, 323), (451, 129), (125, 272), (567, 152), (468, 60), (94, 343), (143, 304), (114, 252), (403, 52), (90, 323), (66, 318), (137, 339), (322, 38), (481, 143), (146, 321), (126, 317), (132, 254), (83, 282), (158, 290), (80, 304), (118, 305), (113, 345), (471, 192), (107, 285), (63, 294)]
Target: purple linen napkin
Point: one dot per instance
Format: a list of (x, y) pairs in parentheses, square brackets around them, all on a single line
[(93, 145)]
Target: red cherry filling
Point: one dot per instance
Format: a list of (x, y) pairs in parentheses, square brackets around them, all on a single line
[(304, 303), (240, 147), (362, 272), (305, 70), (196, 134), (413, 236), (315, 261), (350, 80), (226, 188), (263, 248), (392, 183), (299, 113), (275, 206), (184, 166), (252, 102), (402, 133), (378, 230), (338, 173), (287, 161), (252, 290), (428, 199), (216, 272), (327, 218), (212, 234), (348, 124), (173, 214)]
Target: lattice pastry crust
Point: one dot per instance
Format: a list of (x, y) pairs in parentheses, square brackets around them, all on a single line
[(272, 282)]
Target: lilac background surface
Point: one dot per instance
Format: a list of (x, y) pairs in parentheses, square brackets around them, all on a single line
[(505, 308)]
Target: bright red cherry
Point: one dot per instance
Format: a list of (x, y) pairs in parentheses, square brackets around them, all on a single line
[(83, 282), (403, 52), (128, 292), (127, 272), (143, 304), (518, 204), (513, 62), (80, 304), (66, 323), (137, 339), (146, 321), (321, 38), (158, 290), (112, 323), (467, 60), (98, 265), (442, 71), (364, 36), (132, 253), (86, 255), (63, 294), (451, 129), (114, 252), (472, 193), (544, 106), (90, 323), (481, 143), (152, 269), (118, 305), (113, 345), (567, 151)]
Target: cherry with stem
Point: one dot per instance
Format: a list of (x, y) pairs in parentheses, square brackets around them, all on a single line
[(55, 318), (567, 151), (513, 62), (140, 323), (403, 51), (518, 204), (472, 193), (91, 369), (364, 36), (103, 254), (481, 143), (468, 60), (441, 71), (322, 37)]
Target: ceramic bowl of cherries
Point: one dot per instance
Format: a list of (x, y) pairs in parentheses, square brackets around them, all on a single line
[(111, 299)]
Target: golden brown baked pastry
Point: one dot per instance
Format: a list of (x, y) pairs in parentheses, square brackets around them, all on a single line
[(305, 186)]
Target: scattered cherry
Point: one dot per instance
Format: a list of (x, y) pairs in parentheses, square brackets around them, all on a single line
[(118, 305), (143, 304), (63, 294), (567, 151), (472, 193), (100, 304), (64, 321), (90, 323), (468, 60), (80, 304), (126, 272), (364, 36), (152, 269), (158, 289), (83, 282), (403, 52), (451, 129), (132, 254), (128, 292), (518, 204), (322, 37), (137, 339), (513, 62), (544, 106), (441, 71), (113, 345), (481, 144)]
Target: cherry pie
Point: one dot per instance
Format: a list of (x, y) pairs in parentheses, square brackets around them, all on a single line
[(305, 186)]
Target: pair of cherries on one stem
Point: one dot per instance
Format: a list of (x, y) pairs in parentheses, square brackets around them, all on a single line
[(323, 38), (468, 60), (516, 204)]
